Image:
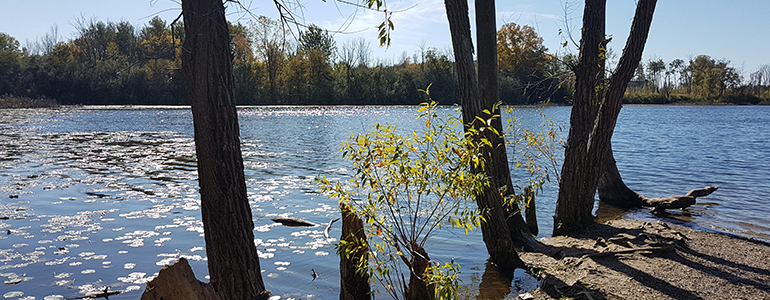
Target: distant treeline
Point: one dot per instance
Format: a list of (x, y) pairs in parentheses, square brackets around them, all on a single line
[(699, 80), (114, 63)]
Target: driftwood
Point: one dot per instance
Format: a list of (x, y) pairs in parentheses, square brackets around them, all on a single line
[(294, 222), (103, 294), (677, 202), (329, 226)]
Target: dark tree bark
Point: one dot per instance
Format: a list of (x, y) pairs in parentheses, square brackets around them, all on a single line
[(530, 210), (612, 189), (497, 163), (596, 106), (418, 289), (227, 221), (354, 285), (496, 233)]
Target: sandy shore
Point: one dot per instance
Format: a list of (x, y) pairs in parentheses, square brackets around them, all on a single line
[(624, 259)]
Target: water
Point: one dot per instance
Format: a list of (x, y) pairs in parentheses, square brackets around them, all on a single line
[(107, 196)]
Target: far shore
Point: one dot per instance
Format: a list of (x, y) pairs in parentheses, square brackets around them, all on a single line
[(25, 102), (13, 102)]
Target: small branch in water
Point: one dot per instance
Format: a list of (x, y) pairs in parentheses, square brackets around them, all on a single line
[(329, 226)]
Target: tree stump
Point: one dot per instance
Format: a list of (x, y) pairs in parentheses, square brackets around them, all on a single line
[(530, 210), (354, 284), (418, 288), (177, 282)]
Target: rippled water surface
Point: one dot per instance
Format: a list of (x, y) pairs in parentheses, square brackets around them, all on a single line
[(96, 198)]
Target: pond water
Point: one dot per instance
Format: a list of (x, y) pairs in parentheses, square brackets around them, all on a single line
[(92, 198)]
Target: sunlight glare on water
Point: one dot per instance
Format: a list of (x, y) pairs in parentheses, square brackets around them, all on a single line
[(95, 198)]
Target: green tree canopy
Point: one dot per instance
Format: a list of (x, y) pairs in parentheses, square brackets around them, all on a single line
[(712, 77), (10, 55), (316, 38)]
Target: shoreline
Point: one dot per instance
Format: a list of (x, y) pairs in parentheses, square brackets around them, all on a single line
[(47, 103), (13, 102), (628, 259)]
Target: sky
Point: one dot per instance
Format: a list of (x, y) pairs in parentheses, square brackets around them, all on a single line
[(735, 30)]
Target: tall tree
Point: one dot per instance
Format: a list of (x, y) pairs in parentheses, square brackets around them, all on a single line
[(712, 77), (596, 105), (521, 51), (477, 95), (10, 56), (656, 67), (316, 38), (271, 46), (227, 221)]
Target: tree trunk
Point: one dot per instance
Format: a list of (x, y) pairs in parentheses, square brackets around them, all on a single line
[(227, 221), (418, 289), (577, 187), (530, 210), (354, 283), (497, 162), (495, 230), (612, 189), (591, 129)]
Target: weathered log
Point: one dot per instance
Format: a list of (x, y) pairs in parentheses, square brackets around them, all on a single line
[(294, 222), (354, 283), (702, 192), (103, 294), (677, 202)]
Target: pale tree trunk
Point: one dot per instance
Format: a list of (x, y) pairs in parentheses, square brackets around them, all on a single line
[(591, 129), (227, 221), (495, 230)]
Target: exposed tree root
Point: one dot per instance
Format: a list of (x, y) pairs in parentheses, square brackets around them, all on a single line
[(613, 190)]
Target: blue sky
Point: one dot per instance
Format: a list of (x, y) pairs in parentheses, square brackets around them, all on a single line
[(735, 30)]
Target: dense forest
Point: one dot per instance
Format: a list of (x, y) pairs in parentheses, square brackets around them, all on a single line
[(114, 63)]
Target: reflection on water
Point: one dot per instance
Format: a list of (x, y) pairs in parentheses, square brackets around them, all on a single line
[(91, 198)]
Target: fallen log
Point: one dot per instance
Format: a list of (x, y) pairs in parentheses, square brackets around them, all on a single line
[(678, 202), (293, 222)]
